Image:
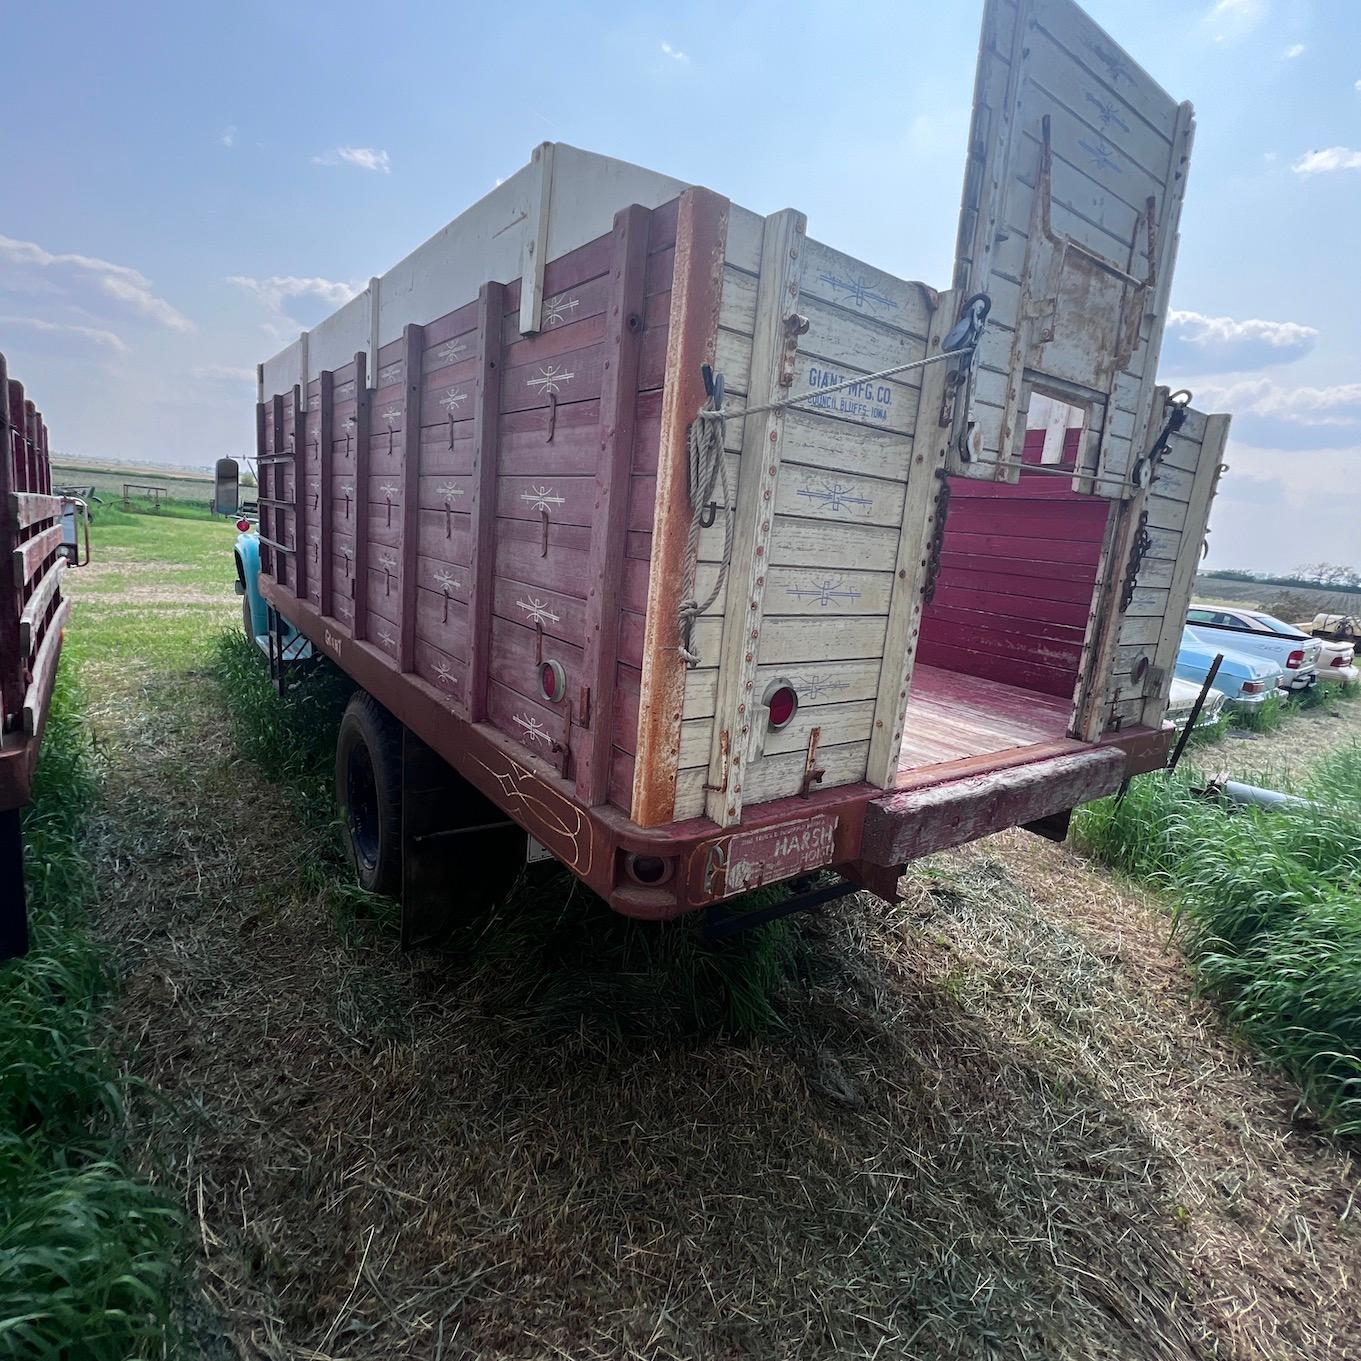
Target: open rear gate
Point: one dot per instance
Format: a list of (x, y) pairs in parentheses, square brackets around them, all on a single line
[(1072, 195)]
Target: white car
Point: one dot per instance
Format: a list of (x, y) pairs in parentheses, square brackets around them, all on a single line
[(1337, 660), (1181, 699), (1262, 635)]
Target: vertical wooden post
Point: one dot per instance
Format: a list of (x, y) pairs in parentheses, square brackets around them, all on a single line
[(278, 559), (777, 297), (696, 290), (922, 506), (11, 673), (325, 527), (491, 309), (609, 523), (299, 491), (30, 447), (363, 407), (261, 480), (413, 346)]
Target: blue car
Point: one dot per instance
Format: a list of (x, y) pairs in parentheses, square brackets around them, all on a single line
[(1246, 681)]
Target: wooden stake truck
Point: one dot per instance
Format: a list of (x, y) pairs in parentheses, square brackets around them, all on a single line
[(37, 541), (707, 555)]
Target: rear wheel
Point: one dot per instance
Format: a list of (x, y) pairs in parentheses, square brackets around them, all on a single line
[(247, 619), (369, 793)]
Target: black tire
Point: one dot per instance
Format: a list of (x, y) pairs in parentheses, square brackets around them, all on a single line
[(247, 621), (369, 793)]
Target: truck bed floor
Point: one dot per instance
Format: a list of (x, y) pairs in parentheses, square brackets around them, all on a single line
[(953, 717)]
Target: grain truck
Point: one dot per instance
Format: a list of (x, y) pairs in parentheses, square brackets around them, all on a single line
[(667, 539), (38, 540)]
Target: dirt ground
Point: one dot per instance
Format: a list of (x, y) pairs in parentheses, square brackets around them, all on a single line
[(997, 1122)]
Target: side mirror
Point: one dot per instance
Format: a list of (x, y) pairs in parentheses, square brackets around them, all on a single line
[(226, 487)]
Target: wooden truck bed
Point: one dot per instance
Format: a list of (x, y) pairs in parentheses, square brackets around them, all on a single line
[(32, 615), (965, 565)]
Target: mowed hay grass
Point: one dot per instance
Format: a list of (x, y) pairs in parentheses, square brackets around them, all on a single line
[(990, 1121), (1269, 907), (89, 1255)]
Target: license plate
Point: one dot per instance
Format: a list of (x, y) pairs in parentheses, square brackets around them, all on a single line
[(781, 852)]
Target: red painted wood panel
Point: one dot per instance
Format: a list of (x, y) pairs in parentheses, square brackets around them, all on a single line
[(1017, 577)]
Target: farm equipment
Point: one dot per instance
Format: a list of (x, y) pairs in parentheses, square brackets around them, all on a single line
[(708, 556), (40, 536)]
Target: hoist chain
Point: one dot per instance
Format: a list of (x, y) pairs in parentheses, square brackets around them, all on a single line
[(1143, 541), (937, 537)]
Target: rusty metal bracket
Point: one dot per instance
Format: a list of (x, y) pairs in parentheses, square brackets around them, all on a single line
[(937, 544), (552, 416), (812, 774), (451, 429), (795, 325), (724, 752), (543, 549)]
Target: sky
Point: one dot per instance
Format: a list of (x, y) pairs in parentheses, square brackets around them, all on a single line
[(186, 186)]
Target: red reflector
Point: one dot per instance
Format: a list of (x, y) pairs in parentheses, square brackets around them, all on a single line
[(1342, 659), (552, 681), (243, 525), (1296, 658), (783, 705)]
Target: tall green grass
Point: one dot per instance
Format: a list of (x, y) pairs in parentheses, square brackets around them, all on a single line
[(1268, 907), (89, 1255)]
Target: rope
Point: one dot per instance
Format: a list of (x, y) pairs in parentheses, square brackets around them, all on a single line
[(706, 467)]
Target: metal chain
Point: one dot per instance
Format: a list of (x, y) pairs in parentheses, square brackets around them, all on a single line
[(705, 468)]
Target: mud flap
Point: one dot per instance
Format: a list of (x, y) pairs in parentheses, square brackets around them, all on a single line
[(13, 911), (460, 853)]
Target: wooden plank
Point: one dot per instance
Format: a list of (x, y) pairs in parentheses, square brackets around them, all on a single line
[(413, 345), (30, 556), (491, 306), (44, 668), (30, 621), (326, 491), (618, 406), (31, 508), (1158, 678), (299, 442), (934, 817), (11, 668), (922, 508), (701, 232), (533, 254), (359, 568), (772, 357)]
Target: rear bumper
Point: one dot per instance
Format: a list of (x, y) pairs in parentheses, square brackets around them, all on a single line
[(1340, 675), (1299, 681)]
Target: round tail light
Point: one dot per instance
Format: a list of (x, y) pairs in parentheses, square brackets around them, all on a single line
[(782, 703), (243, 525), (552, 681)]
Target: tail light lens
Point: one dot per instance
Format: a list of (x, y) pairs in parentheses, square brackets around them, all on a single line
[(1295, 659), (782, 703), (1342, 659), (1253, 687), (552, 681), (243, 525)]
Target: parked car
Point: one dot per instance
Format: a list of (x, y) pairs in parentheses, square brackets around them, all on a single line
[(1181, 700), (1246, 681), (1262, 635)]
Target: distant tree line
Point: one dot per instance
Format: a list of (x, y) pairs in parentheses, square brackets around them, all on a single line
[(1326, 576)]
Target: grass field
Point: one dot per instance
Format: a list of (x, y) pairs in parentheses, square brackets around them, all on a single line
[(992, 1120), (182, 486)]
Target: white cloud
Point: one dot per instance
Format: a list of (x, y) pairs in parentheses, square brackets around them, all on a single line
[(1337, 405), (223, 373), (1230, 19), (228, 137), (674, 52), (1197, 329), (1329, 159), (1357, 87), (365, 157), (276, 290), (91, 333), (1293, 51), (120, 282)]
